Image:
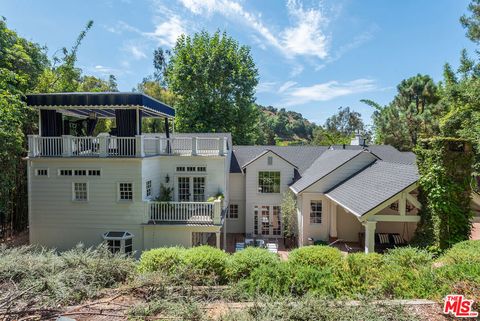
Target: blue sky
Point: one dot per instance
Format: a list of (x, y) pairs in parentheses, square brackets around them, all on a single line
[(312, 56)]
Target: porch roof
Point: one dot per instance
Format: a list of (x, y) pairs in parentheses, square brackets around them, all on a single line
[(82, 104), (372, 186)]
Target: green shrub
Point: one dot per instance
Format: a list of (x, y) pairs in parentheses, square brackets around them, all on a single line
[(316, 255), (463, 252), (167, 259), (408, 257), (47, 278), (361, 274), (206, 265), (242, 263)]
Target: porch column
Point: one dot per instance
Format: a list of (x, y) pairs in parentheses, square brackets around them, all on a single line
[(370, 227), (333, 221), (225, 234), (217, 239), (67, 146), (139, 150)]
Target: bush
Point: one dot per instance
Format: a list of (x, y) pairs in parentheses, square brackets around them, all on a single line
[(316, 256), (206, 265), (49, 278), (286, 279), (463, 252), (408, 257), (361, 274), (167, 259), (242, 263)]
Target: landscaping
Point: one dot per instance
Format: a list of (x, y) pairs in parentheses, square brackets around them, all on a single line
[(172, 281)]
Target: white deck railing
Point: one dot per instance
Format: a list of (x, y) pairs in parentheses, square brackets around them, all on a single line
[(184, 212), (110, 146)]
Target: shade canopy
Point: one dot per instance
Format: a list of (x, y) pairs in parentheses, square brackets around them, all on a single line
[(103, 104)]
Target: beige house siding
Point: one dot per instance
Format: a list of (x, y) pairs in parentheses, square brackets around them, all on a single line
[(348, 225), (172, 235), (57, 221), (252, 195), (237, 196), (316, 231)]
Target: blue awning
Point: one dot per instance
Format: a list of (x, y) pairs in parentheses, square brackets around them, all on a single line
[(82, 104)]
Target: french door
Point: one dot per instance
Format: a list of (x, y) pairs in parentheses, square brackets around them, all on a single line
[(267, 221), (191, 189)]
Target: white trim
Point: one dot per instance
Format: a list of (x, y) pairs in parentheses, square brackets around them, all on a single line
[(73, 169), (74, 195), (238, 212), (118, 192), (148, 197), (310, 212), (269, 171), (395, 218), (41, 169)]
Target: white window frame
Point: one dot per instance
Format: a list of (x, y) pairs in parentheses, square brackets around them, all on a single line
[(118, 192), (316, 218), (42, 169), (148, 188), (190, 176), (65, 169), (260, 189), (87, 172), (74, 194), (121, 249), (230, 211)]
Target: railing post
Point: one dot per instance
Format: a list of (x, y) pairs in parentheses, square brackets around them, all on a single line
[(217, 212), (67, 146), (194, 145), (220, 147), (103, 143), (31, 145), (139, 150)]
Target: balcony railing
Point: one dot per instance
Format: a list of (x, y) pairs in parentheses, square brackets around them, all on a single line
[(184, 212), (111, 146)]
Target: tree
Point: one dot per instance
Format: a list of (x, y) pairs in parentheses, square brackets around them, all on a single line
[(472, 22), (340, 127), (214, 80), (413, 113), (288, 209)]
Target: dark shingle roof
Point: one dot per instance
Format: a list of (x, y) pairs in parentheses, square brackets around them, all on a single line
[(300, 156), (373, 185), (323, 165), (386, 153)]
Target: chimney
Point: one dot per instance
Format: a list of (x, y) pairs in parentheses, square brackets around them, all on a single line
[(358, 140)]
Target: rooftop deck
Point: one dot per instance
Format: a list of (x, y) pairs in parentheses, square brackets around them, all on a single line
[(138, 146)]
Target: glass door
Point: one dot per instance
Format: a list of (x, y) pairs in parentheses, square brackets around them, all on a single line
[(184, 189), (199, 189), (267, 221)]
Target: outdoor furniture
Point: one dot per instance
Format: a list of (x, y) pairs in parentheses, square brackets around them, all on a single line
[(272, 247), (384, 241), (239, 246), (259, 243), (249, 242)]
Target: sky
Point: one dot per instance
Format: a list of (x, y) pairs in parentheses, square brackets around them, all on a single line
[(312, 56)]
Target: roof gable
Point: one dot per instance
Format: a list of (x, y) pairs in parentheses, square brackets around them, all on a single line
[(265, 153)]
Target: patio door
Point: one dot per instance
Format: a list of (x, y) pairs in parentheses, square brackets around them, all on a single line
[(267, 221), (191, 189)]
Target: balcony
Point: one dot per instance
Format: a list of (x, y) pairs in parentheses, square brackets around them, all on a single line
[(193, 213), (138, 146)]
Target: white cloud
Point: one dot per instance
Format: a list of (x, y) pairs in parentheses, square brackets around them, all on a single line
[(136, 51), (167, 32), (306, 36), (286, 85), (264, 87), (106, 71), (327, 91), (355, 43), (296, 70)]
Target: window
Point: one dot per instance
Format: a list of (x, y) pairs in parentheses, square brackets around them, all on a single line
[(80, 192), (148, 188), (125, 191), (119, 242), (65, 172), (199, 189), (41, 172), (276, 221), (316, 212), (201, 169), (94, 172), (269, 182), (80, 172), (270, 160), (180, 168), (233, 211), (191, 169)]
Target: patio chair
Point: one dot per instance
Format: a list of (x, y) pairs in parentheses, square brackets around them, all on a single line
[(239, 247), (272, 247)]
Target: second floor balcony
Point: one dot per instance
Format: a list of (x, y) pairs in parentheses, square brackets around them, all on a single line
[(184, 213), (138, 146)]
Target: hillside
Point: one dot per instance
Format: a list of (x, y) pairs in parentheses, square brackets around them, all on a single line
[(282, 127)]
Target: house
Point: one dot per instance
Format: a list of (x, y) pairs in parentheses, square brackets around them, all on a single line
[(137, 191)]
